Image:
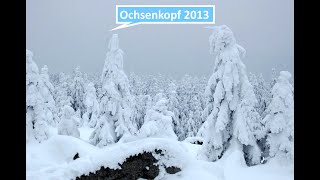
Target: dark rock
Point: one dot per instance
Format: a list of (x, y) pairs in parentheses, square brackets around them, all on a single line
[(134, 167), (159, 151), (139, 166), (76, 156), (172, 170)]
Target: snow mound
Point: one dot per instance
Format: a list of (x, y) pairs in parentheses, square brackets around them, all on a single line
[(60, 150), (56, 150)]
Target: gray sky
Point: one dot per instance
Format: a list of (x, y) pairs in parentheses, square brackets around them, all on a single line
[(65, 33)]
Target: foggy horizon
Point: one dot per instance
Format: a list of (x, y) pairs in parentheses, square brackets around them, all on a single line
[(67, 34)]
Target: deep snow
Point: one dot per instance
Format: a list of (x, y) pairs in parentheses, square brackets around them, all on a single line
[(52, 160)]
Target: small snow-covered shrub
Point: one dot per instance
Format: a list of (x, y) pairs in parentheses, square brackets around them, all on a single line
[(69, 123), (90, 117), (158, 122)]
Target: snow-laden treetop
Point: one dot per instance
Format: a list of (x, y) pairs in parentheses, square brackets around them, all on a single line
[(31, 68), (223, 38), (114, 57), (29, 53), (44, 69), (284, 76), (114, 43)]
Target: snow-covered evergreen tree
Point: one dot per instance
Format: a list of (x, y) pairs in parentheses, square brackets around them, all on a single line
[(77, 92), (143, 103), (173, 105), (158, 121), (230, 100), (36, 117), (116, 107), (158, 96), (279, 121), (261, 91), (48, 95), (62, 93), (185, 92), (136, 84), (202, 83), (195, 120), (190, 96), (46, 79), (69, 123), (91, 115), (273, 77), (54, 79), (152, 86)]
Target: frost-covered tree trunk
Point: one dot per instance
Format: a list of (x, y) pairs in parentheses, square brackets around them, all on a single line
[(36, 119), (230, 107), (279, 121), (116, 104), (69, 123), (158, 121)]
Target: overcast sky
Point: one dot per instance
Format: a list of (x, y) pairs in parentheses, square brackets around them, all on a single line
[(65, 33)]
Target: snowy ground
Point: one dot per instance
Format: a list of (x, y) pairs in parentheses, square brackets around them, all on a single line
[(52, 160)]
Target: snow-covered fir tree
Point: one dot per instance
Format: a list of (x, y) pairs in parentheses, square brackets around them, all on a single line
[(279, 121), (136, 84), (158, 121), (158, 96), (261, 91), (152, 86), (62, 93), (36, 116), (143, 103), (173, 105), (95, 79), (190, 92), (54, 79), (91, 115), (77, 92), (48, 94), (195, 106), (273, 77), (202, 83), (69, 123), (184, 92), (116, 104), (195, 119), (230, 98)]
